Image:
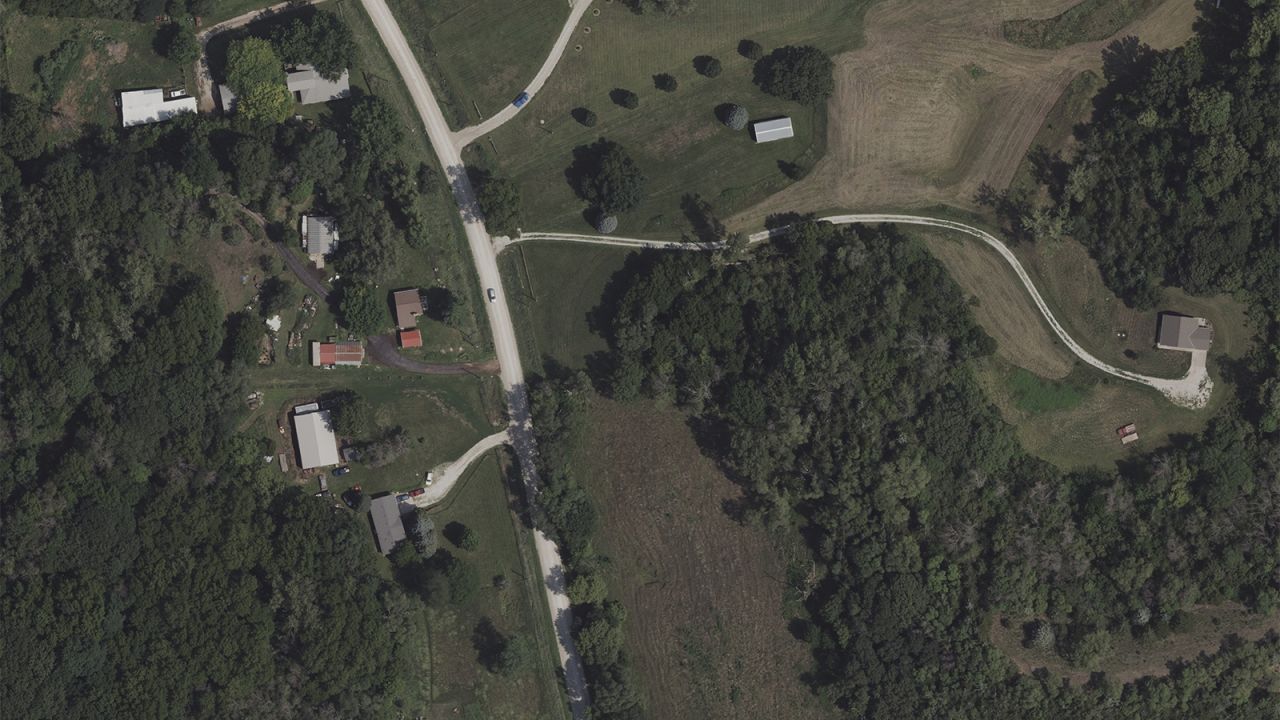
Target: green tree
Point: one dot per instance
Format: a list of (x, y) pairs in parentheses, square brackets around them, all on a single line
[(604, 175), (252, 62), (265, 103), (360, 311), (666, 82), (376, 127), (707, 66), (244, 333), (801, 74), (351, 413), (499, 200), (515, 657), (750, 49), (625, 98), (470, 540), (179, 44), (323, 41)]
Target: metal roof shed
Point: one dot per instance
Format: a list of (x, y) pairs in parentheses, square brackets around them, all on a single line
[(139, 107), (309, 87), (317, 444), (764, 131), (388, 528)]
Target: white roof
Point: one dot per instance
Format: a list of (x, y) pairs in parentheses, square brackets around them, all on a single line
[(317, 445), (139, 107), (769, 130)]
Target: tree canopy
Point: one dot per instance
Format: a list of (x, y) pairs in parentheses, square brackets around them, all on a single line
[(321, 40), (604, 175), (801, 74)]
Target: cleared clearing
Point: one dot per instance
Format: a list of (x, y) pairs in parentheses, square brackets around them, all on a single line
[(1003, 307), (707, 629), (1150, 657), (912, 123)]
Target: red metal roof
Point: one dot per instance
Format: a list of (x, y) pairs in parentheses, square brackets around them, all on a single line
[(410, 338)]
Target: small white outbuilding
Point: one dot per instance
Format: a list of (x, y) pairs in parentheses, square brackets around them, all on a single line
[(764, 131)]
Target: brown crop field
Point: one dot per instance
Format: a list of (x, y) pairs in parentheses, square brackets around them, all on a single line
[(937, 102), (706, 630)]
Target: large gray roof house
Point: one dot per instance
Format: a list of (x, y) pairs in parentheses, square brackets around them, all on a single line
[(1179, 332), (309, 87), (388, 528)]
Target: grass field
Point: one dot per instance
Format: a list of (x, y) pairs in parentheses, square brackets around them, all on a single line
[(936, 103), (1086, 21), (1056, 134), (552, 288), (115, 56), (1133, 659), (674, 137), (479, 53), (459, 685), (1033, 394), (707, 626)]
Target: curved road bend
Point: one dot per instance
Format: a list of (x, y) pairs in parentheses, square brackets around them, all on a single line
[(504, 337), (470, 134), (1192, 390), (447, 475)]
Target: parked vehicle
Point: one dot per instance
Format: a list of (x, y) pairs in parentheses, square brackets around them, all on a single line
[(430, 478), (416, 492), (521, 99), (339, 472), (402, 497), (493, 295)]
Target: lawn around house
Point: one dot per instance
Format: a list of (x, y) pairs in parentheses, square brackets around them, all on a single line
[(107, 56), (674, 137), (479, 53)]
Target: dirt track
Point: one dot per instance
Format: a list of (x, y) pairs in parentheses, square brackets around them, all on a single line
[(937, 102)]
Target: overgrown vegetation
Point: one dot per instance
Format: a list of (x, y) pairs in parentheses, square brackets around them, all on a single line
[(1086, 21), (829, 376)]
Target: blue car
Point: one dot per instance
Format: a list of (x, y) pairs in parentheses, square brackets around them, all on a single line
[(521, 99)]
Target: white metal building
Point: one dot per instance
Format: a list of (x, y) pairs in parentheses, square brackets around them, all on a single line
[(769, 130), (139, 107), (317, 445)]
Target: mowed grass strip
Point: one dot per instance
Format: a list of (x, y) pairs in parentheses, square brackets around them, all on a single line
[(675, 137), (554, 290), (479, 53), (1086, 21), (1034, 394), (461, 685), (707, 625)]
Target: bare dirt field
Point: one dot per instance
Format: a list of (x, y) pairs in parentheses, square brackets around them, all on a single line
[(937, 102), (1133, 659), (706, 628)]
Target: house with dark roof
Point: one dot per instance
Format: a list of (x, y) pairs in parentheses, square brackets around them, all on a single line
[(1180, 332), (388, 528), (408, 305)]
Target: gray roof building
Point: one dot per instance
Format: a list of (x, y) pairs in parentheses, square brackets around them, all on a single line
[(769, 130), (309, 87), (1179, 332), (319, 234), (317, 444), (388, 528)]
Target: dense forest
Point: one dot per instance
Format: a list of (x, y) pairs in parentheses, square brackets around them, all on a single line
[(828, 375), (153, 566)]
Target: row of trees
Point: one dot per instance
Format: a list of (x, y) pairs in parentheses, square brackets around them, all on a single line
[(566, 510), (829, 376)]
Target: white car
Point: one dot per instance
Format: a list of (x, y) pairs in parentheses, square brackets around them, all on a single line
[(493, 295)]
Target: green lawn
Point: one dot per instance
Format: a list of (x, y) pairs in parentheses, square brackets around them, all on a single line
[(552, 288), (479, 53), (116, 55), (1033, 394), (674, 137), (459, 684)]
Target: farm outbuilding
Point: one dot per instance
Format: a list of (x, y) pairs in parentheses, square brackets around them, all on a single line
[(1180, 332), (308, 87), (317, 443), (329, 354), (319, 236), (410, 338), (764, 131), (139, 107), (388, 528)]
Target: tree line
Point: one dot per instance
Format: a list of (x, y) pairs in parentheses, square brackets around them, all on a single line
[(829, 375)]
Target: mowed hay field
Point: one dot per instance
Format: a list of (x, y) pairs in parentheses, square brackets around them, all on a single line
[(674, 137), (937, 102), (704, 595)]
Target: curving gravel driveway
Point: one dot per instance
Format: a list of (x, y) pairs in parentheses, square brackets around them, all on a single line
[(1193, 390)]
